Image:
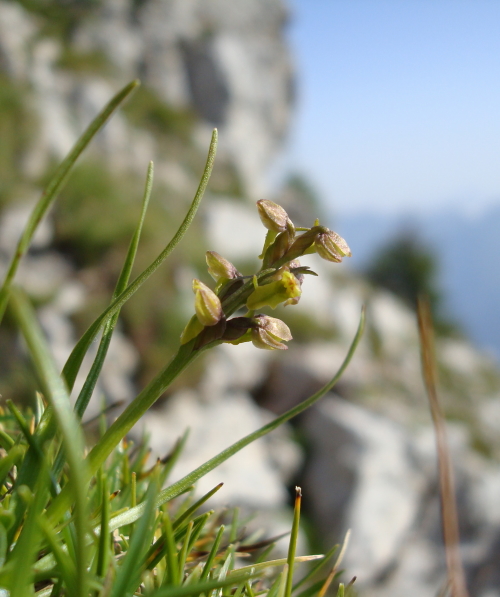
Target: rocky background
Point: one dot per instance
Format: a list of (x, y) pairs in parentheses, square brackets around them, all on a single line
[(365, 456)]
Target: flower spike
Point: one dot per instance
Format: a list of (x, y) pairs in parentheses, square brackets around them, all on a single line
[(220, 268), (271, 295), (332, 247), (272, 215), (207, 304), (269, 332)]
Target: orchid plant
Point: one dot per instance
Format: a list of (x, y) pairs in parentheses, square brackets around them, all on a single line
[(59, 535), (279, 281)]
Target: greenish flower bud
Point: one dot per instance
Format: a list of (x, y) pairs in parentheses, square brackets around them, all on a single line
[(206, 304), (272, 215), (276, 292), (332, 247), (269, 332), (303, 242), (218, 267), (192, 329), (277, 249)]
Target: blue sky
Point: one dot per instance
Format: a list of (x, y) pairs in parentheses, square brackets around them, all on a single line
[(398, 106)]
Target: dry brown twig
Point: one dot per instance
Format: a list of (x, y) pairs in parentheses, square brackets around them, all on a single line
[(456, 575)]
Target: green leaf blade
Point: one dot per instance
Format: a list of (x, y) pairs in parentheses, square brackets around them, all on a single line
[(50, 193)]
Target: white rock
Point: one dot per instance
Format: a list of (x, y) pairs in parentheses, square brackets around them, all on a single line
[(383, 483), (12, 223), (42, 275), (234, 230), (16, 29), (395, 323), (250, 477), (240, 367)]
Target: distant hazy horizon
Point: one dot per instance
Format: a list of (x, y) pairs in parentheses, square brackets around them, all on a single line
[(466, 249)]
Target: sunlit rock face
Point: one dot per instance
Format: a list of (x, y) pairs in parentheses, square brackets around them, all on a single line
[(227, 61), (369, 462), (201, 64)]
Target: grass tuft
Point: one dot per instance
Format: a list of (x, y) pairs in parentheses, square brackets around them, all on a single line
[(95, 520)]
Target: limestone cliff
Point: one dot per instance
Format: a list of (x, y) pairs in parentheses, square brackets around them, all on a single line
[(226, 62), (370, 463)]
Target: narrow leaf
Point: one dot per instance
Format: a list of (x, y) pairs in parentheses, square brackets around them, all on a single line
[(65, 564), (172, 556), (51, 191), (12, 458), (181, 485), (212, 554), (315, 569), (129, 574), (56, 394), (199, 587), (90, 383), (76, 357), (293, 542), (192, 509), (104, 548), (25, 550)]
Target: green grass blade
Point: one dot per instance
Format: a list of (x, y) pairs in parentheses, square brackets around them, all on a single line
[(75, 359), (249, 591), (150, 394), (72, 439), (263, 556), (184, 550), (127, 420), (284, 576), (33, 443), (7, 462), (293, 542), (225, 568), (198, 588), (26, 547), (334, 572), (315, 569), (89, 385), (158, 550), (199, 525), (129, 574), (104, 548), (312, 590), (65, 564), (172, 556), (4, 545), (181, 485), (213, 552), (6, 442), (261, 566), (273, 589), (134, 411), (173, 457), (192, 509), (51, 191)]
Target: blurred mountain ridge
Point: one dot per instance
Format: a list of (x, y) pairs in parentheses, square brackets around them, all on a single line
[(466, 249)]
